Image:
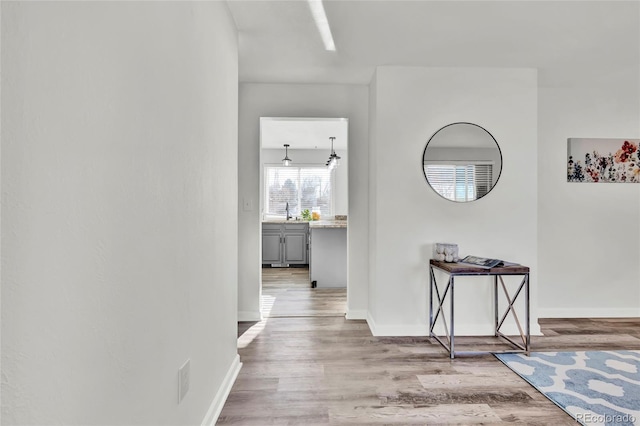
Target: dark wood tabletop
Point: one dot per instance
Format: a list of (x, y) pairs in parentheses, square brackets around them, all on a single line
[(464, 269)]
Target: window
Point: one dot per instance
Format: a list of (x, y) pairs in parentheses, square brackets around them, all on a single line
[(460, 182), (302, 187)]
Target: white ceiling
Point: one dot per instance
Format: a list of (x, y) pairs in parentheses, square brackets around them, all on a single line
[(565, 40), (303, 133)]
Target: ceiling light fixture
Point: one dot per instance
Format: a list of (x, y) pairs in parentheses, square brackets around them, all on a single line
[(320, 16), (334, 159), (286, 161)]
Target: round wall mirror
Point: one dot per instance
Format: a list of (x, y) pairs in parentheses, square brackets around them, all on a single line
[(462, 162)]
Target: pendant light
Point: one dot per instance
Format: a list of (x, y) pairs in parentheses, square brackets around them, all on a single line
[(334, 159), (286, 161)]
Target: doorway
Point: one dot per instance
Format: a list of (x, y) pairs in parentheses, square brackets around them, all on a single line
[(298, 185)]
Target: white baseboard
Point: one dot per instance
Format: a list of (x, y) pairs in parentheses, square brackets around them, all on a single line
[(371, 323), (249, 316), (588, 312), (396, 330), (356, 314), (215, 409)]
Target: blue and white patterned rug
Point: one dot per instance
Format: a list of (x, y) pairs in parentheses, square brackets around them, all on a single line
[(594, 387)]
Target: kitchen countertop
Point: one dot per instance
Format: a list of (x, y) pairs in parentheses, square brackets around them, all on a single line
[(318, 224), (314, 224), (282, 221)]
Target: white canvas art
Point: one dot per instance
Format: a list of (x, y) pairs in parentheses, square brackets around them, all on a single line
[(603, 160)]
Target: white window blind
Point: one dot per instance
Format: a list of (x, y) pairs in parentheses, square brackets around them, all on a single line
[(460, 182), (304, 187)]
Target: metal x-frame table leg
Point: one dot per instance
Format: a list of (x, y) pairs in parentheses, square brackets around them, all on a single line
[(525, 334), (433, 285)]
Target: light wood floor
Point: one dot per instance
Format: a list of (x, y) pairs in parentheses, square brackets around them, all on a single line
[(318, 370), (287, 292)]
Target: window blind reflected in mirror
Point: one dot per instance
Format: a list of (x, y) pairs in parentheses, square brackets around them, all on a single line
[(464, 182)]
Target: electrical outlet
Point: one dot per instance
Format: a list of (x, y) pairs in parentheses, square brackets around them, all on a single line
[(183, 380)]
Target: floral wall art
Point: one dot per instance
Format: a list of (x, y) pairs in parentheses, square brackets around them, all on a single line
[(603, 160)]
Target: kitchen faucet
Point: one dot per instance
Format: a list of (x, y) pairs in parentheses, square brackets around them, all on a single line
[(288, 212)]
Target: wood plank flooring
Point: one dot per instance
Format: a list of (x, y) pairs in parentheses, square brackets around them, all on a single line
[(287, 292), (320, 370)]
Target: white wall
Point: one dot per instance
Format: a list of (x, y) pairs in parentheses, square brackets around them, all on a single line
[(589, 248), (300, 100), (119, 210), (373, 195), (316, 157), (410, 105)]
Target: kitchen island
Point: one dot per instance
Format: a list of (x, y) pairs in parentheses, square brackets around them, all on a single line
[(328, 253)]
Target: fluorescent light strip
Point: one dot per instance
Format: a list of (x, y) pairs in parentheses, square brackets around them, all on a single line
[(320, 16)]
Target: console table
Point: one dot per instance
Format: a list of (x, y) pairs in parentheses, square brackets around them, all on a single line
[(454, 270)]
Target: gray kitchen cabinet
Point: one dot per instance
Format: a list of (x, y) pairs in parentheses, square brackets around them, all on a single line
[(271, 243), (295, 248), (285, 244)]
